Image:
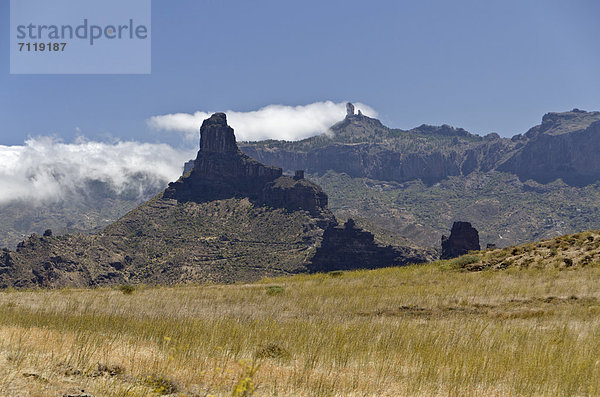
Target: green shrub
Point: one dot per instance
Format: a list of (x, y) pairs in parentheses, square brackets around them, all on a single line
[(464, 260), (568, 262), (127, 289), (274, 290)]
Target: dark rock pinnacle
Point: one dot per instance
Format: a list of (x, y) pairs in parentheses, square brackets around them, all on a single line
[(222, 171), (217, 136), (463, 238)]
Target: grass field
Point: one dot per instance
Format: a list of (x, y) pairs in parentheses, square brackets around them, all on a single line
[(418, 330)]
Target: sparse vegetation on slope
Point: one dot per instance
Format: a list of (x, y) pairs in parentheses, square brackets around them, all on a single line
[(576, 250), (418, 330), (503, 209), (165, 242)]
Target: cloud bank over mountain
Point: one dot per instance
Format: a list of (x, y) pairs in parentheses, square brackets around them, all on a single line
[(46, 170), (270, 122)]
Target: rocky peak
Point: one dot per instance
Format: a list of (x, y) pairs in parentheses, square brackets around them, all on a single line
[(463, 238), (558, 123), (217, 136), (222, 171), (349, 109)]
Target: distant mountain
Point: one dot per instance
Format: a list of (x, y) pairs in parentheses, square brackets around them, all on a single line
[(565, 146), (229, 219), (541, 184)]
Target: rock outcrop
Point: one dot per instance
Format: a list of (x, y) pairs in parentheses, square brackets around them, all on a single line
[(222, 171), (463, 238), (349, 248), (349, 109), (188, 166)]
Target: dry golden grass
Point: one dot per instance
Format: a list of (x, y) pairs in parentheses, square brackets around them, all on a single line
[(419, 330)]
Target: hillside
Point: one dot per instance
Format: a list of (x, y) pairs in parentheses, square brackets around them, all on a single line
[(230, 219), (162, 242), (505, 210), (410, 331), (560, 253), (88, 209)]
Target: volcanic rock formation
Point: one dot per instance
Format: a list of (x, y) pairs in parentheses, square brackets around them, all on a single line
[(222, 171), (349, 109), (349, 248), (463, 238)]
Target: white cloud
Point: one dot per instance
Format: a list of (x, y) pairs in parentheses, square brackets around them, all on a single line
[(44, 169), (270, 122), (48, 170)]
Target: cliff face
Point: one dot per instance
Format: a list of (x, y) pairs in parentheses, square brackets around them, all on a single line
[(566, 145), (362, 147)]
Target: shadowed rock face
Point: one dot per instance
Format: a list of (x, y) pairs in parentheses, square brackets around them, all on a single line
[(566, 145), (348, 248), (222, 171), (217, 136), (463, 238)]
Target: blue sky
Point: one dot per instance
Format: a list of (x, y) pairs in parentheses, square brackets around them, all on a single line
[(486, 66)]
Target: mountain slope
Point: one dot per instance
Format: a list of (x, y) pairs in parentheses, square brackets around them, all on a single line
[(165, 242), (569, 251), (86, 209), (229, 219), (565, 145)]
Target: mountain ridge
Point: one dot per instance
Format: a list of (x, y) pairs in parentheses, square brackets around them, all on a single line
[(363, 147)]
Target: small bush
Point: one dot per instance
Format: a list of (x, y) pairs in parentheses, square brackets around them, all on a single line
[(271, 351), (274, 290), (568, 262), (160, 384), (464, 260), (127, 289)]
